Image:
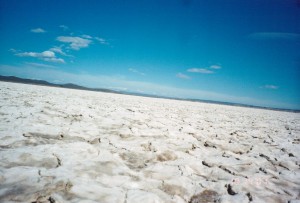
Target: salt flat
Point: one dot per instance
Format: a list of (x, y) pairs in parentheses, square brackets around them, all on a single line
[(64, 145)]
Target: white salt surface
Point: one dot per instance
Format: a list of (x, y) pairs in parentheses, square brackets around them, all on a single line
[(63, 145)]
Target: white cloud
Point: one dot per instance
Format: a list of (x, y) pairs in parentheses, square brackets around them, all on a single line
[(58, 50), (13, 50), (274, 36), (205, 70), (64, 27), (76, 43), (55, 60), (38, 30), (48, 54), (31, 54), (45, 55), (182, 76), (274, 87), (200, 70), (136, 71), (101, 40), (215, 67)]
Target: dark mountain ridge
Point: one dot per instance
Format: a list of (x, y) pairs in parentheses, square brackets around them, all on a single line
[(45, 83)]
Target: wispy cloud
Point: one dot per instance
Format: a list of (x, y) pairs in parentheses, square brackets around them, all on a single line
[(205, 70), (200, 70), (64, 27), (39, 65), (14, 50), (136, 71), (76, 43), (60, 51), (54, 60), (45, 55), (182, 76), (86, 36), (215, 67), (37, 30), (274, 36), (273, 87), (101, 40)]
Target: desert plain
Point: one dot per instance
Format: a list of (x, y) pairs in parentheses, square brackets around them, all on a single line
[(65, 145)]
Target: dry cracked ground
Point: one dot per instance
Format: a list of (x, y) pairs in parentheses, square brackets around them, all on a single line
[(62, 145)]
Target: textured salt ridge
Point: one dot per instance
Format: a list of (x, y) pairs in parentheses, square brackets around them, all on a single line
[(59, 145)]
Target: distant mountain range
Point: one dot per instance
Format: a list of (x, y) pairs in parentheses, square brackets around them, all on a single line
[(45, 83), (74, 86)]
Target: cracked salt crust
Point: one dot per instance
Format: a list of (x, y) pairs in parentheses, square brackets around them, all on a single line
[(64, 145)]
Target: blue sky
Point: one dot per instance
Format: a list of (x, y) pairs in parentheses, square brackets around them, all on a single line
[(236, 51)]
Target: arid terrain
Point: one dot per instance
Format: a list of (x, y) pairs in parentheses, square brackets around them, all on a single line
[(64, 145)]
